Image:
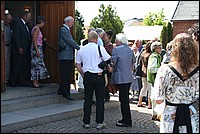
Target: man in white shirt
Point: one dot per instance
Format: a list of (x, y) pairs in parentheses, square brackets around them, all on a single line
[(93, 78)]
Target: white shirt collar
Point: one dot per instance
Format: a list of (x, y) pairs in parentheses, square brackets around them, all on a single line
[(66, 26), (23, 21)]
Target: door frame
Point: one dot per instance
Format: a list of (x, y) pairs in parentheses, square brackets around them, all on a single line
[(3, 79)]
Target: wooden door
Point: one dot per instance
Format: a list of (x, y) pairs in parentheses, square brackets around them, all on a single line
[(3, 89), (54, 13)]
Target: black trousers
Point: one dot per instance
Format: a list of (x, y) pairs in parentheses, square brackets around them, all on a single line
[(19, 68), (65, 73), (124, 102), (93, 82)]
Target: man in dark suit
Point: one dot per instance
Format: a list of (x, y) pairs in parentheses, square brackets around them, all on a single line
[(66, 51), (20, 49)]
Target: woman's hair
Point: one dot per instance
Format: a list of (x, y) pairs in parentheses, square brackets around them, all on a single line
[(110, 33), (40, 19), (169, 46), (148, 47), (185, 52), (100, 31), (194, 30)]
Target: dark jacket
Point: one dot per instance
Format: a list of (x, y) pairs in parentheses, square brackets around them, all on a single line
[(21, 37)]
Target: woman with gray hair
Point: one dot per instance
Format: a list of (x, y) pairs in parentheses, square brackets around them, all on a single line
[(123, 60), (154, 63), (166, 57), (100, 33)]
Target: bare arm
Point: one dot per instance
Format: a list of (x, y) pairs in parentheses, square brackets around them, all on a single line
[(34, 40), (79, 68)]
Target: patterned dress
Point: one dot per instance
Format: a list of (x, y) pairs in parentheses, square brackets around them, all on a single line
[(170, 86), (38, 68)]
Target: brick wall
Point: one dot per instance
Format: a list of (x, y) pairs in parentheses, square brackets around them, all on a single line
[(182, 26)]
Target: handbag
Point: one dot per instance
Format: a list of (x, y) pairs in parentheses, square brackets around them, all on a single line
[(112, 88), (103, 65)]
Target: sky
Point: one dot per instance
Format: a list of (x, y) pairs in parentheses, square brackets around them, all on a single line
[(125, 9)]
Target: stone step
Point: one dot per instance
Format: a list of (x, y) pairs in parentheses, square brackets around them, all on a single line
[(23, 92), (19, 98), (35, 101), (30, 117)]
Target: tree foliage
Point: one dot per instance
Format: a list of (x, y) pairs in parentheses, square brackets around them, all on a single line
[(79, 27), (154, 18), (108, 19), (169, 31), (166, 34)]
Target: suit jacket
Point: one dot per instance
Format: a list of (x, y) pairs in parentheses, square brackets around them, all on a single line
[(21, 37), (123, 60), (66, 40)]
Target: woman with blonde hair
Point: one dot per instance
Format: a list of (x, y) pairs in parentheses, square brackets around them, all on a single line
[(177, 87)]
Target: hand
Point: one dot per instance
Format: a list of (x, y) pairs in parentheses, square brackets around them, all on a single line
[(173, 115), (21, 51), (110, 69), (38, 53)]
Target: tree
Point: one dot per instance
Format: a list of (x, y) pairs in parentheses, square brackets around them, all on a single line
[(79, 27), (154, 18), (169, 31), (166, 34), (164, 37), (108, 19)]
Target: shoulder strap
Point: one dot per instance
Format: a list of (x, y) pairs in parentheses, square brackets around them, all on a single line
[(61, 27), (99, 51)]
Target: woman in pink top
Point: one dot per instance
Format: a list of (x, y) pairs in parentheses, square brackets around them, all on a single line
[(38, 68)]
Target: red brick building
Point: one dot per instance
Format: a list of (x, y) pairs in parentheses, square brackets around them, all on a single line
[(185, 15)]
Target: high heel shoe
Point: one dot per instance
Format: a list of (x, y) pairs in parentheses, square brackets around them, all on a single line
[(35, 86)]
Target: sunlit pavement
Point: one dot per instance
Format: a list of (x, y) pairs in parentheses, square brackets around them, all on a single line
[(141, 123)]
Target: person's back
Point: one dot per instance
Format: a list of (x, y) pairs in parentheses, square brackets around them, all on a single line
[(93, 78), (177, 86), (123, 60)]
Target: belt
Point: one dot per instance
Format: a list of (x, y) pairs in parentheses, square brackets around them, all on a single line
[(7, 44), (182, 116), (94, 73)]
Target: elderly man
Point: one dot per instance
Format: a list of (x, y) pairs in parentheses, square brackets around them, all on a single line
[(66, 50)]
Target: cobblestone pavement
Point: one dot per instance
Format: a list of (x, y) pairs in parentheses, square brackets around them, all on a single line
[(141, 123)]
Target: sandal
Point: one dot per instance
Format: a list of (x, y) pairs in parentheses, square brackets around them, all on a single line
[(154, 117), (140, 105), (149, 107), (34, 86)]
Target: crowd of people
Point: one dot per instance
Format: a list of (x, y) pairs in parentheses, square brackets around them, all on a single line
[(170, 79), (23, 50)]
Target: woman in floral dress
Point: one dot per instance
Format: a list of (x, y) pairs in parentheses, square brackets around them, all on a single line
[(38, 68), (177, 86)]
